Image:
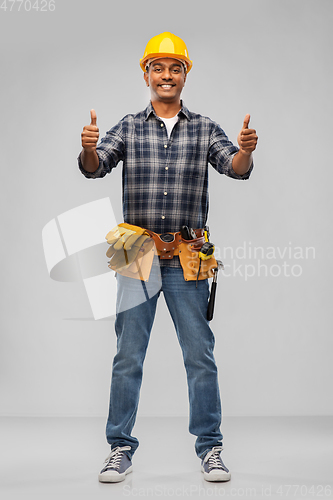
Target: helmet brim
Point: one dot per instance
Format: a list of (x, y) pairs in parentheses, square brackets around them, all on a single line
[(161, 55)]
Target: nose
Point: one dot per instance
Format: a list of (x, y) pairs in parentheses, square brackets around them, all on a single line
[(167, 75)]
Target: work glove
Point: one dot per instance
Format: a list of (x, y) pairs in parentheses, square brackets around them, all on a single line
[(127, 242)]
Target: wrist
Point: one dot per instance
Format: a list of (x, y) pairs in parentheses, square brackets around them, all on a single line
[(244, 153)]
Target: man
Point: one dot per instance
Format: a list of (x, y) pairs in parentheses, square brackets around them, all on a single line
[(165, 151)]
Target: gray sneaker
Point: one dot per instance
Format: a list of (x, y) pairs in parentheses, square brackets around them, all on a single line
[(116, 466), (212, 466)]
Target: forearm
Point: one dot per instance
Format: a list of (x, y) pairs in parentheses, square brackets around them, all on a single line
[(89, 160), (241, 162)]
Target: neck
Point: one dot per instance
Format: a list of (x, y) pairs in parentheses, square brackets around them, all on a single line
[(166, 110)]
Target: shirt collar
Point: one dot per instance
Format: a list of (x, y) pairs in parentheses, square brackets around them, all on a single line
[(150, 110)]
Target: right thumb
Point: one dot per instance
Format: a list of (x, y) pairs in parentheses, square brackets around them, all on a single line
[(93, 117)]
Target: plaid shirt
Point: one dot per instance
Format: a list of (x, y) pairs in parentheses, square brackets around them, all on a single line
[(165, 181)]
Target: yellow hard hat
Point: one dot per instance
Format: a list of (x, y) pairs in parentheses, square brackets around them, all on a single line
[(166, 45)]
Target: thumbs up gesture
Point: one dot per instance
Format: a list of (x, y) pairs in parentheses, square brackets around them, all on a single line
[(90, 133), (247, 138)]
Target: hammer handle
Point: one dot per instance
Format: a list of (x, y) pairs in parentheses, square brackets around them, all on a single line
[(210, 309)]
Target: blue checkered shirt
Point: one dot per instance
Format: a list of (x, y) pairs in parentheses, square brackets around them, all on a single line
[(165, 180)]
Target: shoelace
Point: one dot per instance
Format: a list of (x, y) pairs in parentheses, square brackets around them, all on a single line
[(213, 458), (114, 459)]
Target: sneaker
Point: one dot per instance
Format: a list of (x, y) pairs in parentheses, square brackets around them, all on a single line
[(212, 466), (116, 466)]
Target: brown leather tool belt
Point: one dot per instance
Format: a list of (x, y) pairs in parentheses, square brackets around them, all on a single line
[(167, 244), (170, 244)]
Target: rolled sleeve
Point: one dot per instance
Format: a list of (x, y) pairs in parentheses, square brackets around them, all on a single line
[(92, 175), (234, 175), (221, 153)]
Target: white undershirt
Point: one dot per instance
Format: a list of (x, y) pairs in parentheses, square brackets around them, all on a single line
[(170, 123)]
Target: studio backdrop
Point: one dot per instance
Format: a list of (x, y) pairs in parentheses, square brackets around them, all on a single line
[(272, 320)]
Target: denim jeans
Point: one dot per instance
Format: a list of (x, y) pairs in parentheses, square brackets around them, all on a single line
[(188, 307)]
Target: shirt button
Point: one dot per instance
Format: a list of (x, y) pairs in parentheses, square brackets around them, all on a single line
[(166, 168), (163, 217), (162, 125), (165, 145), (165, 193)]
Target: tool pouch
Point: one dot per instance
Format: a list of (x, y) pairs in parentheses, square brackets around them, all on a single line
[(165, 249), (190, 261), (131, 253)]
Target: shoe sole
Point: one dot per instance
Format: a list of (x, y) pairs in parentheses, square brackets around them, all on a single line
[(113, 477), (216, 476)]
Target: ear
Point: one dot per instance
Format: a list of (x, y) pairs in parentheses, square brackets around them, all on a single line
[(146, 78)]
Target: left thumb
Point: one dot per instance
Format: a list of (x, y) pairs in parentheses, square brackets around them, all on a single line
[(246, 121)]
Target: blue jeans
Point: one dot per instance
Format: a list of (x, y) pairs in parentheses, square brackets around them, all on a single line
[(188, 308)]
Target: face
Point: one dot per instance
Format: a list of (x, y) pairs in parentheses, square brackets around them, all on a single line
[(166, 79)]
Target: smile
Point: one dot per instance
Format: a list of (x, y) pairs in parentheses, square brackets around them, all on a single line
[(165, 86)]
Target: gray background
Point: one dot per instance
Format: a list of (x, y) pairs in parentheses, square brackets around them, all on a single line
[(273, 334)]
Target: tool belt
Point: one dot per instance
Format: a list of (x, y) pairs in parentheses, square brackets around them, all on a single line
[(133, 248)]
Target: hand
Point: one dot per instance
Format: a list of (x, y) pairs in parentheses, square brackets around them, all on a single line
[(90, 133), (247, 138)]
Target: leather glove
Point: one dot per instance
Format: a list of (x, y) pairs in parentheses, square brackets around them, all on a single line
[(127, 242)]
